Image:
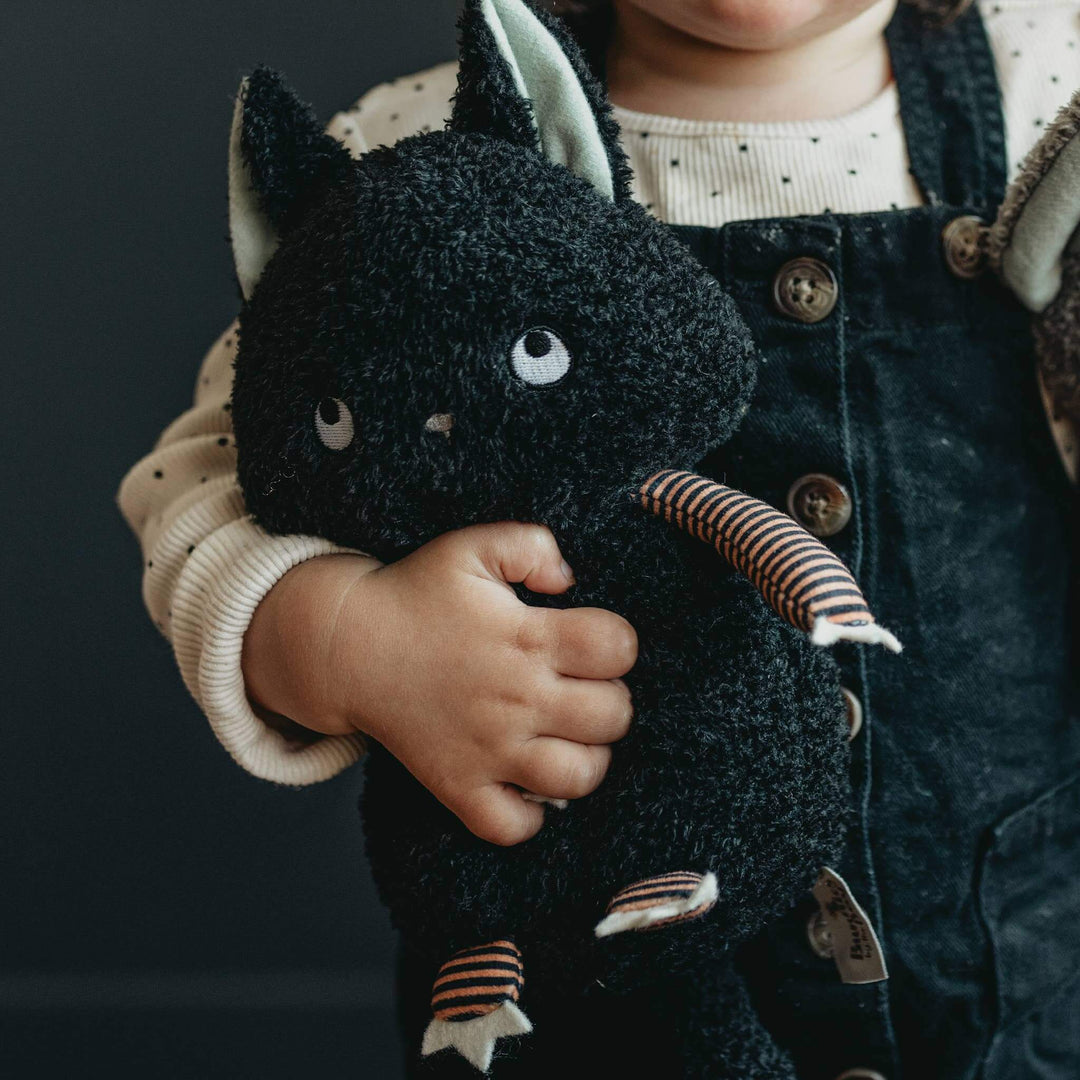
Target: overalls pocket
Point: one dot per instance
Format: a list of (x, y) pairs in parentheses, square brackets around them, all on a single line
[(1030, 898)]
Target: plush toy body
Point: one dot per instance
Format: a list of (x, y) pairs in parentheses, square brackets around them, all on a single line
[(480, 325)]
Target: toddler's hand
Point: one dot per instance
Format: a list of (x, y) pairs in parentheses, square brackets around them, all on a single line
[(478, 694)]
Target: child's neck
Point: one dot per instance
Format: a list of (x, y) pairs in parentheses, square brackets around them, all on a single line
[(654, 67)]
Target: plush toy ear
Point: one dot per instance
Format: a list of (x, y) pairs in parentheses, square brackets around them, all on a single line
[(523, 78), (1037, 224), (1035, 247), (278, 150)]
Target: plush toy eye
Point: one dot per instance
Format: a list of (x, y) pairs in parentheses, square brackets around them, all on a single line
[(539, 357), (334, 423)]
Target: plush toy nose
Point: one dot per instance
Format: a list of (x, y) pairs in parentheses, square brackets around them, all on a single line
[(439, 421)]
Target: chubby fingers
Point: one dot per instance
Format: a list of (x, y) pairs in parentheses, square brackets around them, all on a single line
[(560, 769), (585, 643), (589, 711), (511, 551), (498, 813)]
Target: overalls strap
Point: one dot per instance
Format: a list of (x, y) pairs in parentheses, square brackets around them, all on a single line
[(951, 107)]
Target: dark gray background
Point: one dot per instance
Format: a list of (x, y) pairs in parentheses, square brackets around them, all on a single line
[(163, 914)]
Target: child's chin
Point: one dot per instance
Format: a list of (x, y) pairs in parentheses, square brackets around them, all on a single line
[(754, 24)]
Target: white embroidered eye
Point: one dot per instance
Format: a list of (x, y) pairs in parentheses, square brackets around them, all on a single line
[(539, 357), (334, 423)]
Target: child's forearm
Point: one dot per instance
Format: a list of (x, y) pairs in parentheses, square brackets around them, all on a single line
[(286, 646)]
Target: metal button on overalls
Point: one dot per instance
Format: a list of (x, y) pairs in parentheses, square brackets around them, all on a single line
[(805, 289), (860, 1074), (820, 503), (963, 242)]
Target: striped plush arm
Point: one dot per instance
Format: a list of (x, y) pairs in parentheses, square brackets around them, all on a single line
[(802, 580)]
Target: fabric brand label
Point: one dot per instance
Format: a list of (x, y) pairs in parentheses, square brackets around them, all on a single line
[(857, 953)]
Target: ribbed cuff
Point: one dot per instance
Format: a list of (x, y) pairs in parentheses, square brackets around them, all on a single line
[(220, 587)]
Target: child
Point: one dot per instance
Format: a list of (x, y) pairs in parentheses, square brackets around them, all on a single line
[(829, 163)]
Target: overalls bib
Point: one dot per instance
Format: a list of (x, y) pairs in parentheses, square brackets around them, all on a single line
[(898, 414)]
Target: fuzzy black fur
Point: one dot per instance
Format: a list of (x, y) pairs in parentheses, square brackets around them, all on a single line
[(400, 290), (486, 101), (286, 151)]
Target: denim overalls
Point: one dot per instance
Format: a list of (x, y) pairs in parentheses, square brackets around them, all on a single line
[(905, 425), (897, 414)]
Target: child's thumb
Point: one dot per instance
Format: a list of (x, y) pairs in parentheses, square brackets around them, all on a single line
[(512, 552)]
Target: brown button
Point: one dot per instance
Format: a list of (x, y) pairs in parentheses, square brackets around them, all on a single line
[(805, 289), (820, 504), (820, 936), (860, 1074), (854, 712), (964, 244)]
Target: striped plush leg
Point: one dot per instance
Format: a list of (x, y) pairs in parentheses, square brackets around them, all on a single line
[(803, 581), (474, 1001), (659, 901)]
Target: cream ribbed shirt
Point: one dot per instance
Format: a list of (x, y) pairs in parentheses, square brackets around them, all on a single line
[(207, 565)]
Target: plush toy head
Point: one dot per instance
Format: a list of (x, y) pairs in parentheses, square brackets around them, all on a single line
[(475, 324)]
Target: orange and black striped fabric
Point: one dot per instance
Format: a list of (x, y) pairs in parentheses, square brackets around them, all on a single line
[(475, 982), (663, 889), (801, 579)]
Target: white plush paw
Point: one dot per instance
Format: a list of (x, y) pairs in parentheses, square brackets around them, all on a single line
[(829, 633), (475, 1039)]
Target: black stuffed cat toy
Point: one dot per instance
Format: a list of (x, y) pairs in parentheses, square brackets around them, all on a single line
[(480, 324)]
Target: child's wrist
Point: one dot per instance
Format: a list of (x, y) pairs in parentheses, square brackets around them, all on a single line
[(287, 645)]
